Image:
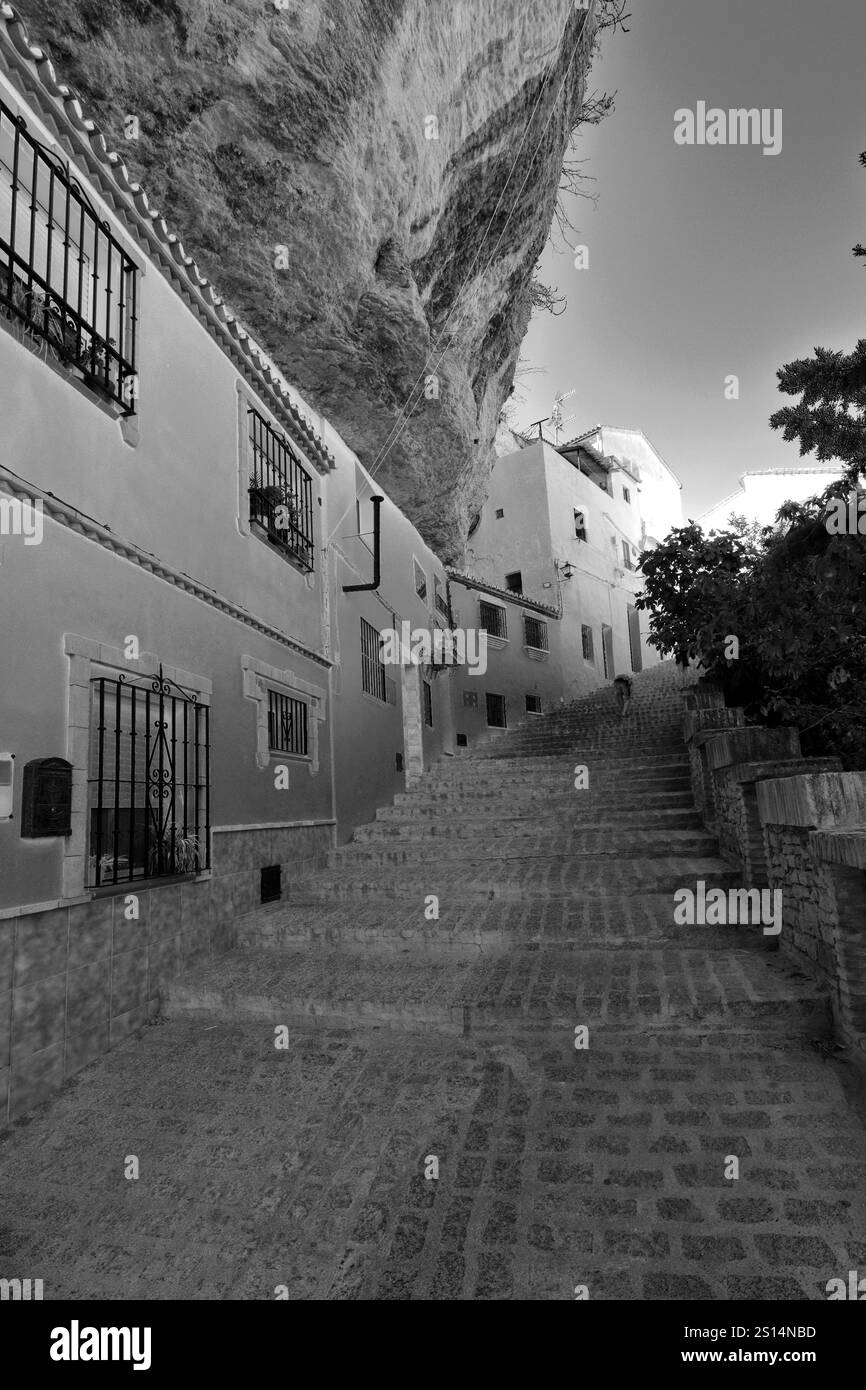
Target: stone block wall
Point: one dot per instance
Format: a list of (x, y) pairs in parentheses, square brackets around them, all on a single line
[(77, 978)]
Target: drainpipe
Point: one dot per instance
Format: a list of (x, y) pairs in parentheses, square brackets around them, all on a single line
[(377, 552)]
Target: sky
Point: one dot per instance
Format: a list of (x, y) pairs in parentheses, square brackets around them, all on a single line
[(710, 261)]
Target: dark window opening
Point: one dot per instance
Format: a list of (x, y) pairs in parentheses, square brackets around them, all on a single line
[(148, 789), (535, 634), (580, 525), (462, 740), (428, 703), (287, 724), (496, 714), (493, 619), (420, 580), (500, 513), (626, 495), (62, 272), (514, 582), (533, 704), (586, 638), (281, 492), (373, 678), (399, 762)]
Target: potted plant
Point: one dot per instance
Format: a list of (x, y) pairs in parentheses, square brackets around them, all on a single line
[(176, 852)]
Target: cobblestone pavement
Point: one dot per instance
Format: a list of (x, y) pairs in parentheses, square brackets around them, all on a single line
[(300, 1170)]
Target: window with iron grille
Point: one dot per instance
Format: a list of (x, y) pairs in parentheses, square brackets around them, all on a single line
[(62, 272), (580, 525), (533, 704), (148, 791), (420, 580), (496, 711), (586, 636), (428, 703), (287, 724), (493, 619), (281, 492), (373, 679), (535, 633)]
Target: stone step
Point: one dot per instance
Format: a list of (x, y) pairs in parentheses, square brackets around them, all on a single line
[(515, 881), (582, 813), (551, 991), (615, 922), (560, 837), (526, 796), (552, 775), (586, 848)]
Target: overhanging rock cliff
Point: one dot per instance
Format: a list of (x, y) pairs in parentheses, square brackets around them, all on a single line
[(307, 126)]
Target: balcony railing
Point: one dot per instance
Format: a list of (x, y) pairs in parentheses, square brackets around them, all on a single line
[(280, 492), (63, 275)]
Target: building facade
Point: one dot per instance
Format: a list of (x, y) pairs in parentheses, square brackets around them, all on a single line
[(763, 491), (186, 648), (567, 523)]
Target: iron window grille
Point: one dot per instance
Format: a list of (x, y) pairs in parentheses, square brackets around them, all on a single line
[(63, 274), (535, 634), (281, 492), (373, 677), (420, 580), (149, 781), (493, 619), (586, 638), (428, 703), (287, 725), (496, 712), (533, 704)]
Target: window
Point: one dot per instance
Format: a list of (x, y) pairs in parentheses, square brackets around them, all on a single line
[(281, 492), (533, 704), (626, 556), (514, 582), (420, 580), (580, 525), (500, 513), (626, 495), (148, 786), (373, 678), (496, 711), (470, 699), (535, 633), (287, 724), (427, 691), (493, 619), (62, 272), (439, 597), (462, 740), (607, 650), (586, 638)]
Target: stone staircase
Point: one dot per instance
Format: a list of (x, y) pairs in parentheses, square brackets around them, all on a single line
[(497, 895)]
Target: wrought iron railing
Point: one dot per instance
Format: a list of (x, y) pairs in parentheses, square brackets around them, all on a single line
[(281, 492), (63, 274), (149, 782)]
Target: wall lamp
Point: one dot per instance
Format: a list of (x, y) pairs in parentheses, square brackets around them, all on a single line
[(565, 570)]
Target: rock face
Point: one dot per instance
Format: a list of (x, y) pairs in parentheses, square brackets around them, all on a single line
[(373, 140)]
